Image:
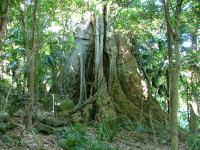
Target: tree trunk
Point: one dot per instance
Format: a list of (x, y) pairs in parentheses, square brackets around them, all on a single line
[(170, 53), (114, 84), (4, 17), (31, 69), (175, 78), (24, 20), (174, 69), (193, 123)]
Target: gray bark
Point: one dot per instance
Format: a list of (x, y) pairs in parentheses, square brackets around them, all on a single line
[(75, 73), (99, 46)]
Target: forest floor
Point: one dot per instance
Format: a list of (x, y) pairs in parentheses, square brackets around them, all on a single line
[(27, 141), (123, 139)]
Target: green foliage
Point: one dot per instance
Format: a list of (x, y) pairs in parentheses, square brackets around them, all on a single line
[(66, 105), (136, 126), (2, 6), (46, 103), (163, 137), (107, 129), (72, 136), (144, 19), (75, 137), (7, 139), (10, 125), (4, 87), (14, 103), (46, 129), (193, 142), (2, 128), (4, 117), (63, 143), (100, 145)]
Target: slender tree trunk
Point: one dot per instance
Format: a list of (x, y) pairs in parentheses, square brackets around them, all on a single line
[(23, 13), (175, 78), (174, 69), (170, 57), (32, 68), (188, 107), (4, 17), (170, 52), (193, 123)]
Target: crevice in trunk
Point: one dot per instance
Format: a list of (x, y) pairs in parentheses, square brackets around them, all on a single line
[(106, 61)]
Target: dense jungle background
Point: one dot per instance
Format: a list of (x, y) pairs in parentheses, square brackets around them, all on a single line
[(99, 74)]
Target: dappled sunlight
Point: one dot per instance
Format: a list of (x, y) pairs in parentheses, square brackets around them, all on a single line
[(145, 88), (187, 43), (54, 27), (124, 54), (187, 75), (71, 68), (22, 7), (195, 107)]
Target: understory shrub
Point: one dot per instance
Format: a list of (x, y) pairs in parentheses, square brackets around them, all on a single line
[(193, 142), (75, 137)]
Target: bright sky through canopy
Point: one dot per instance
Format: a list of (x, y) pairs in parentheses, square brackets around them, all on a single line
[(54, 27)]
